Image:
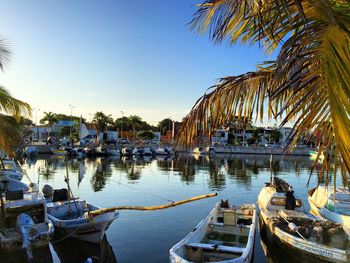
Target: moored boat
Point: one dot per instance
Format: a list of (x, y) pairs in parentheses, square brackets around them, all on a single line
[(298, 230), (72, 217), (225, 235), (332, 205), (26, 223)]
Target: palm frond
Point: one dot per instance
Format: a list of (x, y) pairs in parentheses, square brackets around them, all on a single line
[(233, 97), (251, 21), (4, 52), (12, 106)]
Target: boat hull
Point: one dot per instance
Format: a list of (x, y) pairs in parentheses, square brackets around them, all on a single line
[(246, 253), (309, 248), (344, 220), (90, 229)]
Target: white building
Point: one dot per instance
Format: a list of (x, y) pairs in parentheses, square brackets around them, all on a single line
[(220, 137)]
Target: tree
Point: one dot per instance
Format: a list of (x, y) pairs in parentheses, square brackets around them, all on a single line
[(145, 135), (102, 121), (49, 118), (308, 83), (11, 109), (135, 122), (165, 125)]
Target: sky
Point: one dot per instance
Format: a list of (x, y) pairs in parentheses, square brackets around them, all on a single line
[(136, 57)]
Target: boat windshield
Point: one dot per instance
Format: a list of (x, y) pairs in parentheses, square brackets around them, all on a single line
[(281, 201)]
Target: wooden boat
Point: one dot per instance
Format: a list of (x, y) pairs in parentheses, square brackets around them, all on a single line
[(332, 205), (296, 229), (11, 169), (73, 219), (225, 235), (35, 231)]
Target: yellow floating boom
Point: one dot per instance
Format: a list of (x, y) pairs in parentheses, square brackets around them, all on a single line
[(150, 208)]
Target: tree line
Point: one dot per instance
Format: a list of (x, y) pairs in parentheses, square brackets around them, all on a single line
[(102, 122)]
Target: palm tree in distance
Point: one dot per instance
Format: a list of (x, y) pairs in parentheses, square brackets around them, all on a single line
[(102, 121), (135, 122), (11, 109), (49, 118), (308, 83)]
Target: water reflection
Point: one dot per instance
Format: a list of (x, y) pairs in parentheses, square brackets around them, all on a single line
[(42, 255), (77, 251), (241, 169)]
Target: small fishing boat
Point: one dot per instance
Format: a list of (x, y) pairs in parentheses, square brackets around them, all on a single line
[(10, 169), (72, 218), (330, 204), (31, 150), (63, 150), (295, 229), (26, 223), (225, 235)]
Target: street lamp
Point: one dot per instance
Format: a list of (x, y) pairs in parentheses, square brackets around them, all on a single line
[(36, 122), (70, 125)]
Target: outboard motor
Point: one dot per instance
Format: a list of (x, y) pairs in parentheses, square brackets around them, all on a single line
[(48, 191), (25, 226)]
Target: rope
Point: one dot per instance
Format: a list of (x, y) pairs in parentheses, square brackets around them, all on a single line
[(138, 190), (66, 236)]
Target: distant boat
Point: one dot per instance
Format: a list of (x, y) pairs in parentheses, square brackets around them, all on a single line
[(164, 151), (31, 150), (335, 206), (225, 235), (298, 230), (10, 169)]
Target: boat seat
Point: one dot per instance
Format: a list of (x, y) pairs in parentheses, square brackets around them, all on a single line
[(235, 250)]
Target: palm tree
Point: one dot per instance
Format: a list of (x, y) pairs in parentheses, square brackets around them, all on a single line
[(308, 83), (11, 109), (49, 118), (135, 122), (102, 121)]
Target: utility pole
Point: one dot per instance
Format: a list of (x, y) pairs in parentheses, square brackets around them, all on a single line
[(36, 122), (70, 125)]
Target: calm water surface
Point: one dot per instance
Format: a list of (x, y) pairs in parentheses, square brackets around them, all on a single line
[(141, 236)]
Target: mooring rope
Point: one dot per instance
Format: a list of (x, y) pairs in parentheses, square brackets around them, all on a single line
[(138, 190)]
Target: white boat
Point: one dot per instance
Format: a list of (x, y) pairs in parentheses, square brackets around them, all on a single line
[(225, 235), (138, 151), (164, 151), (330, 204), (147, 151), (305, 233), (199, 151), (126, 151), (72, 218), (11, 169), (31, 150), (27, 225), (79, 152)]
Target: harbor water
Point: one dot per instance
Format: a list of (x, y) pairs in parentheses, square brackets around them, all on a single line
[(147, 236)]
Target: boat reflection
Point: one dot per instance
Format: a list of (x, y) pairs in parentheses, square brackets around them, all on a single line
[(73, 250), (41, 255)]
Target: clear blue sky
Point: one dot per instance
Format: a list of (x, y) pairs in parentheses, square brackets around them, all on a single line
[(136, 56)]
